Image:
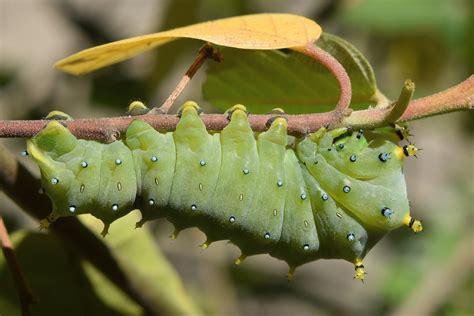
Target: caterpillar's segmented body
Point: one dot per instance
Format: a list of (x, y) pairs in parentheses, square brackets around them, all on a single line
[(324, 196)]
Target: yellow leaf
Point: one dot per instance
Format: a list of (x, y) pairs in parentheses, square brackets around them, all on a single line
[(258, 31)]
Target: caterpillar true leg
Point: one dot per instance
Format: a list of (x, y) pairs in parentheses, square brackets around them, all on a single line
[(48, 220), (240, 259)]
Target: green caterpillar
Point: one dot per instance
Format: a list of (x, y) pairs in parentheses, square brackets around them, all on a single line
[(328, 195)]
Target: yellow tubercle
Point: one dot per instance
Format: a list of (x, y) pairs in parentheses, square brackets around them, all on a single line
[(410, 150), (136, 105), (359, 270), (58, 115), (237, 109), (403, 132), (316, 136), (277, 111), (412, 223), (189, 106), (417, 226), (137, 108), (240, 259), (406, 151)]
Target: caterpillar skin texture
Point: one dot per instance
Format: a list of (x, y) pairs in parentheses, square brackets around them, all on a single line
[(329, 195)]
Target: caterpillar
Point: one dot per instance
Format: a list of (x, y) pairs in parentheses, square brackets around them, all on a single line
[(331, 194)]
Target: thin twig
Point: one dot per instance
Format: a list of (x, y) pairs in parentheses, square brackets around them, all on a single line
[(396, 109), (457, 98), (23, 288), (206, 51)]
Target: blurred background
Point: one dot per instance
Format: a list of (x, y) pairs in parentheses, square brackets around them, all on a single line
[(429, 41)]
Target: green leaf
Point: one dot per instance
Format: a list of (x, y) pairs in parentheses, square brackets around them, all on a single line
[(263, 80), (64, 285), (147, 268), (58, 281)]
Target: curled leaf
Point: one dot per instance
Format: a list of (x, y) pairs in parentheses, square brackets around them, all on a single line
[(258, 31)]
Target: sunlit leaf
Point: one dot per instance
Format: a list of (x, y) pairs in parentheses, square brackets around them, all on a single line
[(258, 31), (263, 80)]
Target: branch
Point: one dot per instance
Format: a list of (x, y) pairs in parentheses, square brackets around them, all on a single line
[(206, 51), (336, 69), (457, 98), (396, 109), (24, 291)]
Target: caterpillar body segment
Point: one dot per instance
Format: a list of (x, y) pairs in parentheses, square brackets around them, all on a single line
[(263, 223), (154, 156), (115, 198), (198, 159), (236, 184), (342, 236), (299, 241), (298, 201), (357, 158), (74, 172), (363, 199)]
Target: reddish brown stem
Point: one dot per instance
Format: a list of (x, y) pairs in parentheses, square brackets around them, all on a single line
[(24, 291), (337, 70), (206, 51), (457, 98)]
